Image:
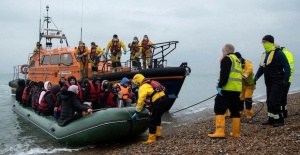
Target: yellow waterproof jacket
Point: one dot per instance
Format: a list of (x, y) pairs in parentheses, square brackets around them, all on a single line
[(248, 73), (290, 59), (120, 44), (82, 50), (99, 51), (145, 91), (146, 48)]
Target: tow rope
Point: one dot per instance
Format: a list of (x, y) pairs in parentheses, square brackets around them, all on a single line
[(194, 104)]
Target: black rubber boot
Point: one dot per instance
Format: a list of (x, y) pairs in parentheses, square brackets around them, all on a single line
[(279, 122)]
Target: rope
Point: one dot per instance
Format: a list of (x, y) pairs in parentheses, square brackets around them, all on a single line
[(194, 104)]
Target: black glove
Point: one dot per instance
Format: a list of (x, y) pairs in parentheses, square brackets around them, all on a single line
[(255, 79)]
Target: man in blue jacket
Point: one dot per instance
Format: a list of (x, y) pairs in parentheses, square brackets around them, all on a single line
[(275, 67)]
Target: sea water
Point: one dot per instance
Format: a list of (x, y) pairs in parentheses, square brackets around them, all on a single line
[(18, 136)]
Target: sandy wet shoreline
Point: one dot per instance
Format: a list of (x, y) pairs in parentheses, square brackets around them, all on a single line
[(191, 138)]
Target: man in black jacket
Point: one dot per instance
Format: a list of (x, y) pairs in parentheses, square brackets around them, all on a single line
[(276, 69)]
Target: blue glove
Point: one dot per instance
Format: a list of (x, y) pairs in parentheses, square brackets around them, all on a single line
[(124, 52), (80, 56), (220, 91), (134, 116), (139, 54), (106, 53)]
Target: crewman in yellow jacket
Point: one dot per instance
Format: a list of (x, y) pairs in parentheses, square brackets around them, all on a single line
[(114, 46), (157, 105), (135, 52), (290, 59), (229, 89), (82, 54), (95, 55), (146, 52), (248, 86)]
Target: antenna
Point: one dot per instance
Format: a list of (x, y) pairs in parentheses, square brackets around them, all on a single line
[(81, 19)]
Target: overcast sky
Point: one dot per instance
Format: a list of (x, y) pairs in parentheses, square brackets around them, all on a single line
[(202, 27)]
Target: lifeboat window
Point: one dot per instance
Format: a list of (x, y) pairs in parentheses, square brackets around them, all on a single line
[(45, 60), (66, 59), (54, 59)]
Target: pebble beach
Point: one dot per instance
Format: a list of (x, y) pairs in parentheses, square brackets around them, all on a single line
[(191, 137)]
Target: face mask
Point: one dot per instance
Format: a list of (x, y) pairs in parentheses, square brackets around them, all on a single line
[(135, 41), (269, 47), (115, 39), (145, 39)]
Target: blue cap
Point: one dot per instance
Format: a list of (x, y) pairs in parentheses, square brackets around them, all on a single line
[(124, 80)]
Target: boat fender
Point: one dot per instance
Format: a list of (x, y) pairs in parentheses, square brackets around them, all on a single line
[(24, 69)]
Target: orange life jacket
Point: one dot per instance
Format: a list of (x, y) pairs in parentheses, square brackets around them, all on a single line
[(145, 44), (125, 92), (94, 94), (43, 105), (79, 89)]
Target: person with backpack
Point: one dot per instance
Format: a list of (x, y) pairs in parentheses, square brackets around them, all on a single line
[(157, 106)]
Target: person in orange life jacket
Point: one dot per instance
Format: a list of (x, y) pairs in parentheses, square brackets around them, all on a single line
[(92, 90), (81, 54), (157, 105), (72, 81), (19, 90), (26, 100), (146, 52), (248, 86), (46, 107), (114, 46), (62, 81), (71, 107), (229, 88), (135, 52), (123, 93), (95, 55), (276, 69), (290, 59), (36, 94)]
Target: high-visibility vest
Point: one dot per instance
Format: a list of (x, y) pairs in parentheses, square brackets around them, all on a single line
[(235, 76), (290, 59)]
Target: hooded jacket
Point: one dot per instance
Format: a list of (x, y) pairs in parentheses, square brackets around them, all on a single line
[(20, 89), (71, 109)]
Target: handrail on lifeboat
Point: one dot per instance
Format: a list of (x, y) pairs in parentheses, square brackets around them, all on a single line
[(158, 58)]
